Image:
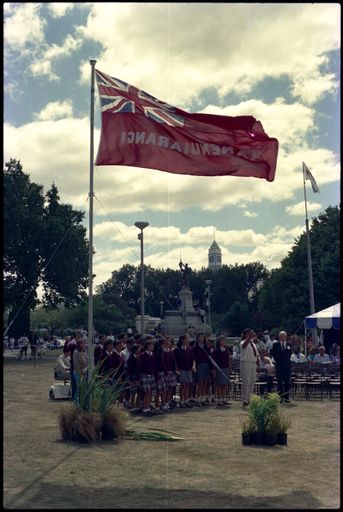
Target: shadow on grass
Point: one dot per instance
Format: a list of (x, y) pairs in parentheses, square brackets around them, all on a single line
[(51, 496)]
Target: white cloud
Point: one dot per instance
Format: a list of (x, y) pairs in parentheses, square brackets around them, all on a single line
[(289, 123), (55, 110), (121, 233), (249, 214), (113, 249), (24, 27), (256, 41), (42, 64), (299, 208), (60, 9)]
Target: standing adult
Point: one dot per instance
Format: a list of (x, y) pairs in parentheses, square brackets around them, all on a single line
[(281, 353), (71, 346), (33, 344), (80, 366), (248, 364), (24, 340)]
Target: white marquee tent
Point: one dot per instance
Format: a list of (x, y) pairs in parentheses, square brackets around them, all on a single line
[(325, 319)]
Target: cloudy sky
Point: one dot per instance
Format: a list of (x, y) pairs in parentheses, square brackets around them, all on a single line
[(277, 62)]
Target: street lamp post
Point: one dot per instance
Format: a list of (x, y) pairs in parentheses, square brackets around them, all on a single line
[(208, 289), (141, 226), (161, 305)]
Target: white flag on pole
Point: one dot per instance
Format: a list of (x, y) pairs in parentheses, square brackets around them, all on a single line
[(309, 176)]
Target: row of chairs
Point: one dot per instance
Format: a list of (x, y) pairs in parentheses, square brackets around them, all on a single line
[(308, 381)]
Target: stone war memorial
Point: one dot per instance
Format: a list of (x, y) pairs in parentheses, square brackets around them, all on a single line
[(176, 321)]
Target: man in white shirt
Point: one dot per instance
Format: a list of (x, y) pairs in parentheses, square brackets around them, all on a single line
[(248, 364), (321, 357), (297, 356)]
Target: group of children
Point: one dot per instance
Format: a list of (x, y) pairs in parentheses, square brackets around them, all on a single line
[(150, 370)]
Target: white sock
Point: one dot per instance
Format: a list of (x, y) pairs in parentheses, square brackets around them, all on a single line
[(146, 410)]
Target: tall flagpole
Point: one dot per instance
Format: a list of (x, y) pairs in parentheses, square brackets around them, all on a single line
[(91, 195), (309, 264)]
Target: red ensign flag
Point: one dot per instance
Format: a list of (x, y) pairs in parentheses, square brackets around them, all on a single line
[(141, 131)]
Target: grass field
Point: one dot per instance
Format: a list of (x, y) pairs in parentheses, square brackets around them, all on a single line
[(209, 469)]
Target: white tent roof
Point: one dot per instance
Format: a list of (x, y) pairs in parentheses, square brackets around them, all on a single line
[(325, 319)]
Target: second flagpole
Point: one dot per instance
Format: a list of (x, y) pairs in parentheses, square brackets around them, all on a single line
[(309, 265)]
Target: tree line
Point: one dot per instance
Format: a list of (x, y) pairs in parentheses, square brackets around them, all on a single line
[(45, 244)]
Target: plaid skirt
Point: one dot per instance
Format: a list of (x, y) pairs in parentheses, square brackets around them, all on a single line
[(162, 382), (147, 383), (171, 379), (186, 376)]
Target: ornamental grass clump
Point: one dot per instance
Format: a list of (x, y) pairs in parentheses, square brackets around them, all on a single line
[(261, 410), (96, 407), (247, 426), (79, 425), (284, 422)]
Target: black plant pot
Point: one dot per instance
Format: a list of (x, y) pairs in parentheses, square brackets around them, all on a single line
[(258, 438), (107, 433), (281, 438), (270, 439), (246, 438), (80, 438)]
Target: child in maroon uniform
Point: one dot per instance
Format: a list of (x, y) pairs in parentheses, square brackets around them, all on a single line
[(203, 367), (222, 357), (146, 372), (184, 358), (106, 363), (211, 384), (161, 374), (132, 375), (171, 373)]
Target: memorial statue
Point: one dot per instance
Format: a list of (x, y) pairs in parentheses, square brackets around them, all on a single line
[(186, 273)]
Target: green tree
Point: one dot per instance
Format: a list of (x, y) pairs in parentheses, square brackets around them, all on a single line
[(43, 243), (284, 298), (107, 316)]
